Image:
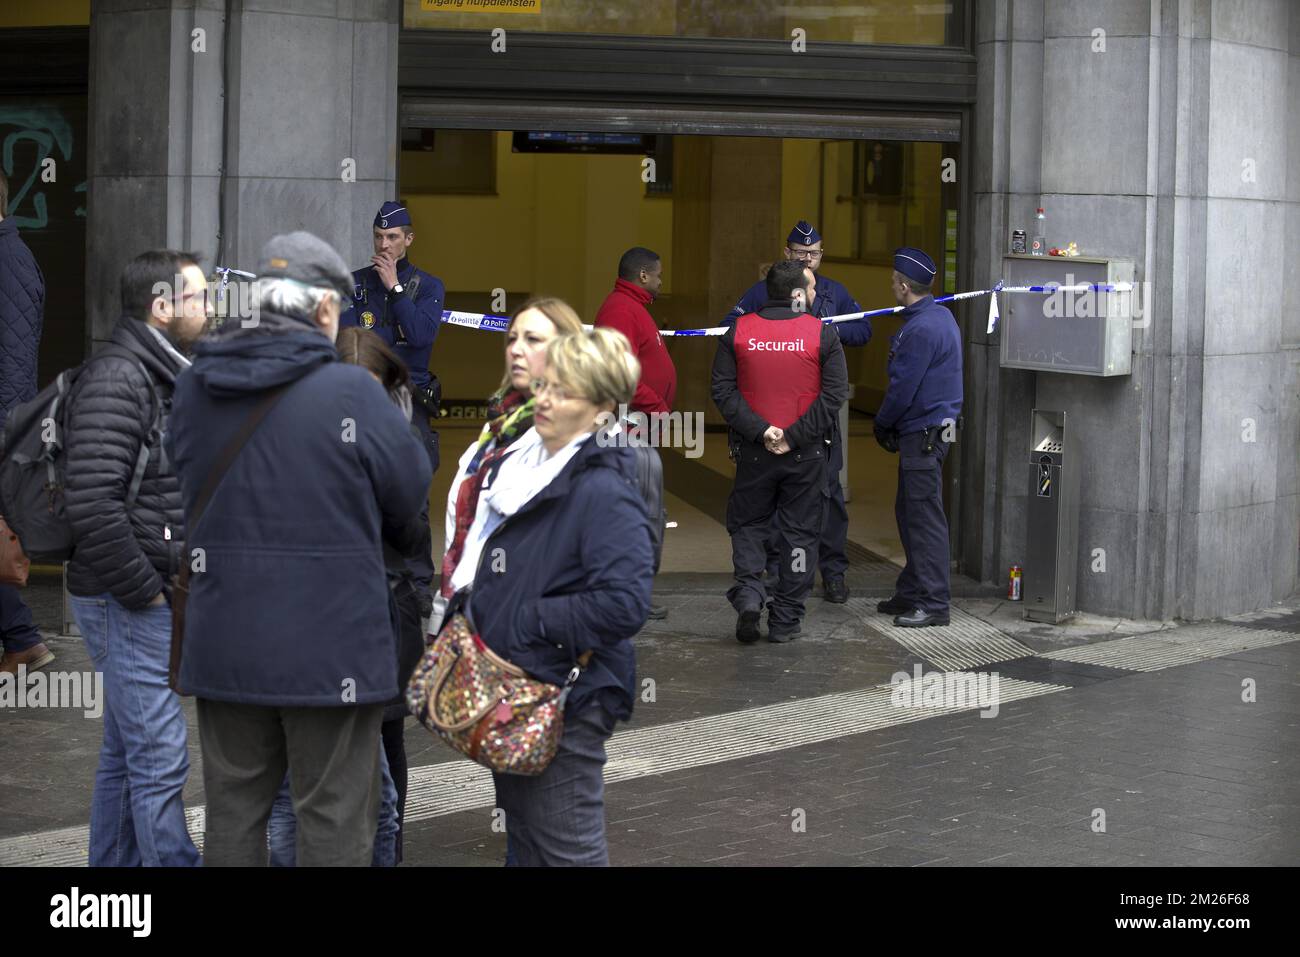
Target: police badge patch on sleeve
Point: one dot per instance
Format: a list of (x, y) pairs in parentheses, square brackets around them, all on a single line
[(367, 320)]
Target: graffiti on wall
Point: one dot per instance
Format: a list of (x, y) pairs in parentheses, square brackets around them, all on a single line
[(40, 157)]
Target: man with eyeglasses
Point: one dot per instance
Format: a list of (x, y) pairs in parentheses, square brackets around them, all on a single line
[(127, 546), (403, 306), (804, 246)]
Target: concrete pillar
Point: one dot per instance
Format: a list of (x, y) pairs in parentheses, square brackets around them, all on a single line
[(726, 209), (1165, 137), (309, 90)]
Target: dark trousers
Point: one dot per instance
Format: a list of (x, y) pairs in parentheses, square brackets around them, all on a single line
[(785, 495), (558, 817), (421, 567), (650, 480), (831, 558), (332, 756), (17, 630), (393, 734), (922, 526)]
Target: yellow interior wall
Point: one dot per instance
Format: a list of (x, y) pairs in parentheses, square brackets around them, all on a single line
[(44, 13), (869, 285), (556, 225)]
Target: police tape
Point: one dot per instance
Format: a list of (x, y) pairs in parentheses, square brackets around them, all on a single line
[(474, 320), (494, 323)]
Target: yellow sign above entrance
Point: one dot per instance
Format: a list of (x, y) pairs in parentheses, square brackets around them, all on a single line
[(481, 6)]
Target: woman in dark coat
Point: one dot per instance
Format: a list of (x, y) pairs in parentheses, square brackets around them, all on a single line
[(510, 412), (566, 581), (364, 348)]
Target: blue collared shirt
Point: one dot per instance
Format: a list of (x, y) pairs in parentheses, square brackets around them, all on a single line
[(832, 300), (407, 324), (925, 371)]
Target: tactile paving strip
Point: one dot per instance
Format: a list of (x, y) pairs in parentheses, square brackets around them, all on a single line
[(965, 643), (1176, 646)]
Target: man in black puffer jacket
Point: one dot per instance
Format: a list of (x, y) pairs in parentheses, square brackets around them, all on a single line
[(120, 572)]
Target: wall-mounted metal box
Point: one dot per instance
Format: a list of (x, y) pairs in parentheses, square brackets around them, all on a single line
[(1085, 333)]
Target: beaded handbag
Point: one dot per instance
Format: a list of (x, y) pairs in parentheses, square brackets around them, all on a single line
[(483, 706)]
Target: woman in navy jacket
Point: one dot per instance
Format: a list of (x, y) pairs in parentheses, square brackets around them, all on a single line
[(559, 563)]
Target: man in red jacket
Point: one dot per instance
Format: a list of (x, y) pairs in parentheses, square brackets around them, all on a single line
[(640, 276)]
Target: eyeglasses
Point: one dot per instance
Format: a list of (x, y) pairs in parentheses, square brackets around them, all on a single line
[(540, 387), (804, 253)]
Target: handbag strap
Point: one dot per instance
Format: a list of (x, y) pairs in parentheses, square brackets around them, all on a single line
[(229, 452)]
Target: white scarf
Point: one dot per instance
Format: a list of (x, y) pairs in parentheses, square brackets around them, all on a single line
[(523, 474)]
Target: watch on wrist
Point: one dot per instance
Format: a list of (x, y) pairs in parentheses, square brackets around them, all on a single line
[(398, 289)]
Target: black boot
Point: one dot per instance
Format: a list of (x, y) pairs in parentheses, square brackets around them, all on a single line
[(920, 618), (834, 590)]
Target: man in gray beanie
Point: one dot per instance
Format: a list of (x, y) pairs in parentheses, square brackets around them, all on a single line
[(292, 467)]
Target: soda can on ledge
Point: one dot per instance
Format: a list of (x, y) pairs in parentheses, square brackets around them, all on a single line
[(1013, 584), (1018, 242)]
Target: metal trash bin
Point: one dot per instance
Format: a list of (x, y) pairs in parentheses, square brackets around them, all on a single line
[(1052, 520)]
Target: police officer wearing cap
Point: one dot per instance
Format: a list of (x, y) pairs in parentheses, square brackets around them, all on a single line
[(779, 379), (403, 306), (917, 419), (804, 245)]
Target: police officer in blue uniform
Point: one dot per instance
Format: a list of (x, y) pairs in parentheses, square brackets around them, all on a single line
[(804, 245), (403, 306), (918, 419)]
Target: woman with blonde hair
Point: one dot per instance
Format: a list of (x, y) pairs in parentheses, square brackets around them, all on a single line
[(562, 509), (510, 415)]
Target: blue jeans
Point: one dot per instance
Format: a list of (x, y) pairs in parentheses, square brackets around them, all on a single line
[(558, 817), (282, 825), (137, 816)]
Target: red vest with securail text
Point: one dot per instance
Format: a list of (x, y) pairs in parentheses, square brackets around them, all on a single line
[(779, 365)]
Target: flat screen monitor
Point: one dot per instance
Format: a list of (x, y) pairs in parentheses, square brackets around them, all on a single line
[(538, 141)]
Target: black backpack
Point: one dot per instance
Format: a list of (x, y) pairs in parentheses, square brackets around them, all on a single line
[(33, 463)]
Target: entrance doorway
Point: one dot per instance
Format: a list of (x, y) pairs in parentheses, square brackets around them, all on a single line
[(534, 208)]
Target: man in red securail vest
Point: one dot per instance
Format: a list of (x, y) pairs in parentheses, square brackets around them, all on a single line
[(779, 379), (640, 276)]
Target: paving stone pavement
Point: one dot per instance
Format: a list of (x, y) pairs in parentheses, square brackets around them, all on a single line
[(1185, 772)]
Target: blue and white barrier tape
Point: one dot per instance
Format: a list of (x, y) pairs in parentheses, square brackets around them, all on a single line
[(474, 320), (492, 323)]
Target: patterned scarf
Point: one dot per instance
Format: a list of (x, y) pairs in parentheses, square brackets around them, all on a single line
[(510, 415)]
